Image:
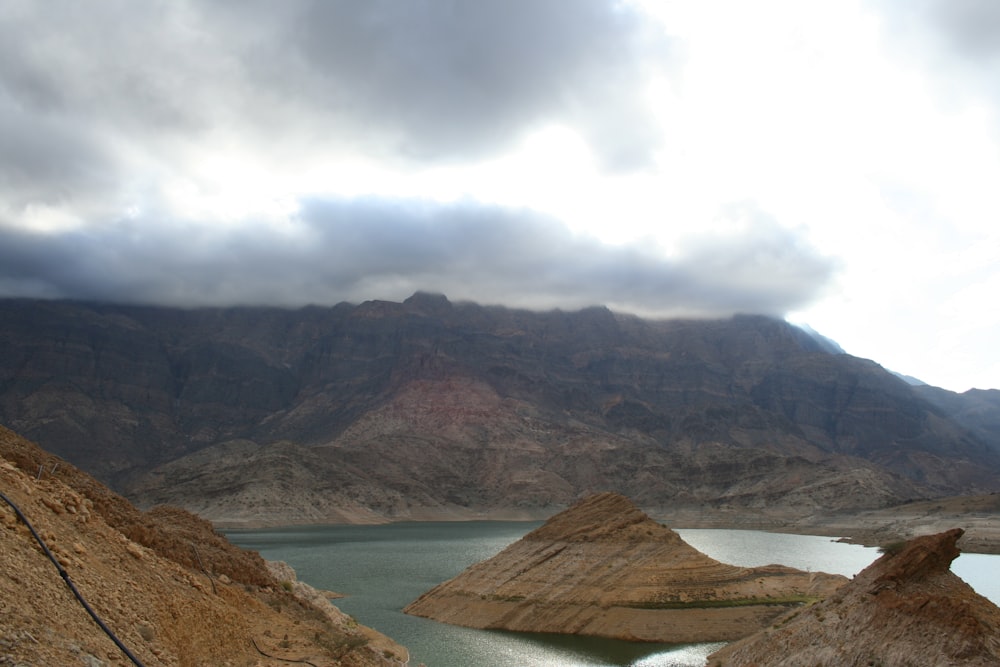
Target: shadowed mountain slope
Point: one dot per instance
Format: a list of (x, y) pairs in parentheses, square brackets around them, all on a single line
[(427, 408), (976, 409)]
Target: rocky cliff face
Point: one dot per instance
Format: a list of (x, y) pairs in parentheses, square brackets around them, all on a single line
[(604, 568), (976, 409), (427, 408), (907, 608), (171, 590)]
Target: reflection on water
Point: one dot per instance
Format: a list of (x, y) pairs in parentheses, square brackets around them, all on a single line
[(494, 648), (679, 657), (752, 548), (545, 650), (384, 568)]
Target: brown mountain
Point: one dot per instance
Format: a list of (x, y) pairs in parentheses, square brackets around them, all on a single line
[(906, 608), (976, 409), (604, 568), (170, 589), (427, 408)]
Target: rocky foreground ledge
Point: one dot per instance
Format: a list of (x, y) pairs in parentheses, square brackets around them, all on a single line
[(604, 568), (170, 589), (906, 608)]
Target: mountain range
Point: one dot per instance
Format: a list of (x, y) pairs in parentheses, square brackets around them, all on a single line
[(432, 409)]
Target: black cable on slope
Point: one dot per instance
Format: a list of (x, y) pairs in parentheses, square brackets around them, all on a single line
[(274, 657), (69, 582)]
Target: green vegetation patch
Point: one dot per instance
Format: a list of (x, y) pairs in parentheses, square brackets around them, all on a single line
[(892, 548), (493, 597), (721, 604)]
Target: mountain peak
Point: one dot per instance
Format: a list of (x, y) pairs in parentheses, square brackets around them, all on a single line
[(603, 517), (428, 303)]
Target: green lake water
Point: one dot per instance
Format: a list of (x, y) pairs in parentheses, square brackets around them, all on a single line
[(383, 568)]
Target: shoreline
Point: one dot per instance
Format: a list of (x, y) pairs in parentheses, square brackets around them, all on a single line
[(979, 516)]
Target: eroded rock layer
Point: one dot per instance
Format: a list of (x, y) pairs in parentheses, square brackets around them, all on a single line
[(604, 568), (907, 608)]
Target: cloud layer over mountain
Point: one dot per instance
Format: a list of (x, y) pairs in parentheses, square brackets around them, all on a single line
[(110, 110), (351, 250), (835, 162)]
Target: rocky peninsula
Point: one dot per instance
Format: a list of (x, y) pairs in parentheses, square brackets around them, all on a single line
[(906, 608), (604, 568)]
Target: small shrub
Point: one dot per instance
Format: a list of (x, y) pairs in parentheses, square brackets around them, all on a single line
[(892, 548), (147, 632)]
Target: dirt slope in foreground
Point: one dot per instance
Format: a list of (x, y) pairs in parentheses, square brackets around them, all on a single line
[(173, 591), (905, 609)]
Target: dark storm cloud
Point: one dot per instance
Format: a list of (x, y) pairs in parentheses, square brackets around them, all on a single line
[(356, 250), (430, 79), (114, 106), (45, 160), (459, 77), (83, 85), (971, 27)]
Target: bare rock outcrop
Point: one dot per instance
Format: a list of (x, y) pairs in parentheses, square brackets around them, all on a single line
[(906, 608), (604, 568), (174, 592)]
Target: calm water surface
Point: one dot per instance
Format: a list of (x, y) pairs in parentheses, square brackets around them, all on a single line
[(384, 568)]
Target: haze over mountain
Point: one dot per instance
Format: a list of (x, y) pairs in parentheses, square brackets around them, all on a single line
[(431, 409)]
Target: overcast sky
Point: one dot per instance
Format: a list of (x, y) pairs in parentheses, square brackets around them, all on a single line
[(833, 162)]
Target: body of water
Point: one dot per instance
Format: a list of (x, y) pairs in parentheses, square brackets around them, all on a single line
[(383, 568)]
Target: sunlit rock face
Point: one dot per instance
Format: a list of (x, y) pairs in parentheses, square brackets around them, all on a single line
[(604, 568), (907, 608)]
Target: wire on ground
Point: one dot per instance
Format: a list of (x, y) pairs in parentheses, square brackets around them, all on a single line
[(69, 582)]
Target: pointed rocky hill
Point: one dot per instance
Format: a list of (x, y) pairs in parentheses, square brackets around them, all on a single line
[(907, 608), (427, 409), (604, 568), (174, 592)]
